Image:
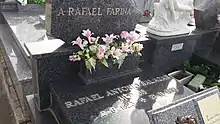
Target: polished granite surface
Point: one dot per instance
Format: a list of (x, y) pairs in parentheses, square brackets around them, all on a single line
[(25, 27), (14, 59), (209, 57), (38, 117), (118, 101)]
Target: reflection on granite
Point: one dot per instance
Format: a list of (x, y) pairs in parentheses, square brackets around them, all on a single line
[(44, 47), (114, 102), (14, 59), (25, 27), (207, 49)]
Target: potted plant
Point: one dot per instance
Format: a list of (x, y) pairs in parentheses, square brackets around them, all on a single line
[(108, 57)]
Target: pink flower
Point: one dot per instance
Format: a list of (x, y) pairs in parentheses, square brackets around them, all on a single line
[(132, 36), (101, 48), (109, 39), (101, 52), (117, 54), (93, 40), (87, 33), (100, 55), (125, 48), (124, 34), (78, 42), (74, 58)]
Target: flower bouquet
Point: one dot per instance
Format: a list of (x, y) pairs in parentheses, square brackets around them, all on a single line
[(108, 57)]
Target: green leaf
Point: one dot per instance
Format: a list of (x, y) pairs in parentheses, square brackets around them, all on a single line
[(139, 54), (120, 62), (104, 62), (80, 53), (92, 62), (121, 59), (87, 55), (88, 66)]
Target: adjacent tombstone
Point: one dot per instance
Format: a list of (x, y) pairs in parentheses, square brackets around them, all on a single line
[(8, 6), (65, 19), (193, 106)]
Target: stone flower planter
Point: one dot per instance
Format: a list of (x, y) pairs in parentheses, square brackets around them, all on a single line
[(181, 76), (103, 74)]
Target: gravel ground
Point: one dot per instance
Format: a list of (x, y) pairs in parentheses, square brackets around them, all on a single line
[(6, 115)]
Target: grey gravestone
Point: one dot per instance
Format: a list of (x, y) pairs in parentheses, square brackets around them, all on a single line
[(167, 115), (183, 107), (65, 19)]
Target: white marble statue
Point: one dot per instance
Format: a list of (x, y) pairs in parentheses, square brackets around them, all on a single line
[(171, 17)]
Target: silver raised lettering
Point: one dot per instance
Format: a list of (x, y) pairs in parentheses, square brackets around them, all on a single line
[(84, 11), (88, 99), (69, 104), (71, 10), (78, 11), (128, 11), (99, 12), (109, 11), (88, 12), (94, 11), (109, 94), (117, 11), (96, 97), (61, 12), (76, 103), (82, 100)]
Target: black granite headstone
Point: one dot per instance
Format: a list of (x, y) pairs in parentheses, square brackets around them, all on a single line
[(172, 51), (65, 19)]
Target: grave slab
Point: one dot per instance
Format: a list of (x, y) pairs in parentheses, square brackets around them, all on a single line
[(118, 101)]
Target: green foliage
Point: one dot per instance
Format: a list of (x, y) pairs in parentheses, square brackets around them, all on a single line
[(104, 62), (208, 71), (36, 1)]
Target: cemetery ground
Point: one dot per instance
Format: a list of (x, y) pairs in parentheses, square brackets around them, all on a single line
[(6, 113)]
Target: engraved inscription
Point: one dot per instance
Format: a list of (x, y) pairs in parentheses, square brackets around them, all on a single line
[(83, 100), (85, 11), (123, 92)]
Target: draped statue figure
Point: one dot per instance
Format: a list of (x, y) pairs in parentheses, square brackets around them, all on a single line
[(171, 17)]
